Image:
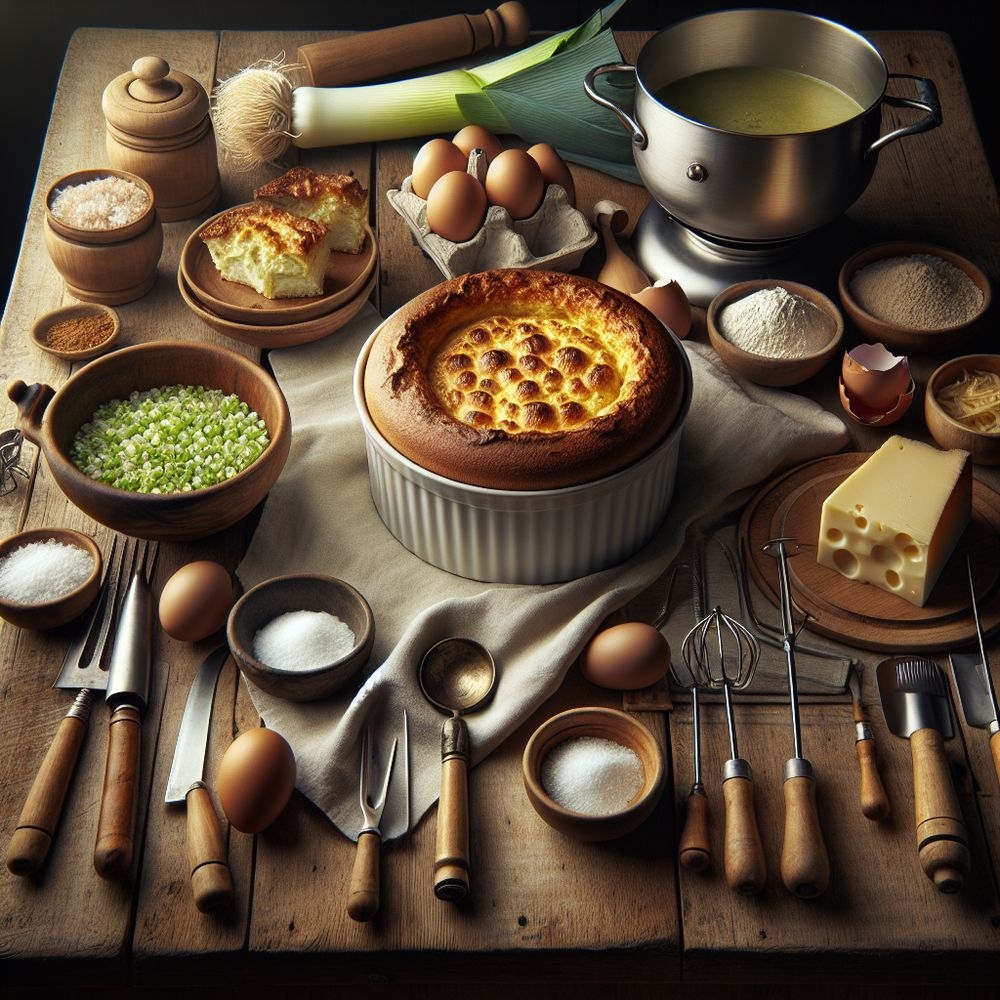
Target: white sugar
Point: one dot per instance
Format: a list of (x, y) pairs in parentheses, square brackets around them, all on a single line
[(592, 775), (302, 640), (43, 571)]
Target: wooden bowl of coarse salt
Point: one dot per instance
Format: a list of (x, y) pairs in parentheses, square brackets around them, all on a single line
[(593, 773), (48, 576), (301, 637), (913, 296), (774, 332)]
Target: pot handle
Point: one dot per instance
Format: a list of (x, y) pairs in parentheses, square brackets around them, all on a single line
[(639, 138), (926, 100), (31, 401)]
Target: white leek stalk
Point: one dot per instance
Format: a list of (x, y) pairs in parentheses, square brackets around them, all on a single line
[(260, 111)]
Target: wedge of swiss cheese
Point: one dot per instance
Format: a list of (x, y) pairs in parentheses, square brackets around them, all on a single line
[(895, 521)]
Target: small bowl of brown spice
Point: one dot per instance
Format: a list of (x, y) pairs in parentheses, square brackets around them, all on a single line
[(77, 332)]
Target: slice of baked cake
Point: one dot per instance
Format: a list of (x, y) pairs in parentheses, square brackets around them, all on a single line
[(278, 254), (337, 200)]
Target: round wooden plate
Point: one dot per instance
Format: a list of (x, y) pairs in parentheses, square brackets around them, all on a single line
[(289, 335), (860, 614), (346, 275)]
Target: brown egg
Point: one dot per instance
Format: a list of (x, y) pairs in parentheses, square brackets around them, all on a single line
[(553, 168), (625, 657), (195, 601), (476, 137), (667, 301), (433, 160), (256, 779), (514, 182), (874, 377), (456, 206)]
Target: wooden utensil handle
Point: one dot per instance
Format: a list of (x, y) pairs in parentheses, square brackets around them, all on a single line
[(693, 850), (874, 800), (746, 868), (208, 859), (116, 823), (942, 843), (995, 750), (805, 866), (451, 851), (29, 844), (337, 62), (363, 895)]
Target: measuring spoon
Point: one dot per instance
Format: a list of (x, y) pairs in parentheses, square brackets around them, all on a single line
[(456, 675)]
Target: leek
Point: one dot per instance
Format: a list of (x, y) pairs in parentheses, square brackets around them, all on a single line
[(261, 111)]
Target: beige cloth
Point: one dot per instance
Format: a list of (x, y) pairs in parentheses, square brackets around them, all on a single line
[(319, 517)]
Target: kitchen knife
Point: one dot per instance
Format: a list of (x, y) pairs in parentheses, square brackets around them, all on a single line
[(974, 681), (211, 880), (127, 696), (914, 694)]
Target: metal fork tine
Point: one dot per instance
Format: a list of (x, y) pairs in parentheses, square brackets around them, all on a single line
[(380, 801), (100, 647), (365, 768)]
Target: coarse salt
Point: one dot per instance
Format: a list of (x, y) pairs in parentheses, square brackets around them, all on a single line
[(302, 640), (592, 775), (104, 203), (43, 571)]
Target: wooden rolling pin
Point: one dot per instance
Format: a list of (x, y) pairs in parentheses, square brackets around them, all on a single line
[(370, 55)]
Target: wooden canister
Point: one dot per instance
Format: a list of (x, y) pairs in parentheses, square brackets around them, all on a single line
[(158, 127)]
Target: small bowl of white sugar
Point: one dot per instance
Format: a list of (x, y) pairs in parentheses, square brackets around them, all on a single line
[(774, 332), (593, 773), (301, 637), (48, 577)]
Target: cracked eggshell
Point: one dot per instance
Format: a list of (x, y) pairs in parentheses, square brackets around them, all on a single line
[(869, 416), (875, 378)]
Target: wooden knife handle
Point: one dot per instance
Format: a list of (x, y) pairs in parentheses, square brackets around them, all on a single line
[(693, 850), (208, 859), (116, 824), (995, 750), (942, 843), (363, 895), (805, 865), (874, 800), (369, 55), (746, 868), (29, 844), (451, 850)]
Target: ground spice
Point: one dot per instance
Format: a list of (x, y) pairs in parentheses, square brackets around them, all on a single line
[(80, 333), (919, 291), (104, 203)]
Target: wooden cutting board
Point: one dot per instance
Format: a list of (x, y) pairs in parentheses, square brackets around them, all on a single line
[(857, 613)]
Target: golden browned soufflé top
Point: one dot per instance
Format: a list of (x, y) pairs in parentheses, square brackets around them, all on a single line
[(523, 380)]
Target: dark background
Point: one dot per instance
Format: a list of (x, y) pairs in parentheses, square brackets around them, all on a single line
[(34, 35)]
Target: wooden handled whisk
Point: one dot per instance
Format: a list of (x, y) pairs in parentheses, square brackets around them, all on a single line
[(722, 654)]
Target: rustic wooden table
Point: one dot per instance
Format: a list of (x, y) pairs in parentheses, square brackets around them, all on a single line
[(547, 910)]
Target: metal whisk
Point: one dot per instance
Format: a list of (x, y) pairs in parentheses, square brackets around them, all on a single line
[(721, 654)]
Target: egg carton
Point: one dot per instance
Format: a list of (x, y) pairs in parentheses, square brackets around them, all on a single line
[(555, 238)]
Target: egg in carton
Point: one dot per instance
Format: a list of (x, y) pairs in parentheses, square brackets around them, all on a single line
[(555, 238)]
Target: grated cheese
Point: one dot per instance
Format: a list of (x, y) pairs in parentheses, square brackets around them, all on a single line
[(973, 400)]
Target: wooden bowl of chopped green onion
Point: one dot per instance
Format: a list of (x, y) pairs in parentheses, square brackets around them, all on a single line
[(48, 576), (962, 406), (301, 637), (169, 440), (593, 773)]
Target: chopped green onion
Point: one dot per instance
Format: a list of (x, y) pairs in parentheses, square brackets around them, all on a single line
[(170, 439)]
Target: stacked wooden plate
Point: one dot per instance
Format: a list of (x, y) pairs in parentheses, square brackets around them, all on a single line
[(241, 313)]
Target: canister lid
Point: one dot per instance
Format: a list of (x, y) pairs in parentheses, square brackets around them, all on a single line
[(154, 100)]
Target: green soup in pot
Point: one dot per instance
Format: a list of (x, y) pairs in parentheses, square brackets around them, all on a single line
[(759, 100)]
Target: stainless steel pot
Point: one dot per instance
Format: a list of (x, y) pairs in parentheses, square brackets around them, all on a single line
[(752, 188)]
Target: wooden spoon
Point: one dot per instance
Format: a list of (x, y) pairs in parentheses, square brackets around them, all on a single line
[(619, 270)]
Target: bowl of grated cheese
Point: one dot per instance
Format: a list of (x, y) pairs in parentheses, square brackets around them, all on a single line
[(962, 406)]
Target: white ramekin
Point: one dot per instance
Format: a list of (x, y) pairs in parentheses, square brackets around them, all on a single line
[(520, 536)]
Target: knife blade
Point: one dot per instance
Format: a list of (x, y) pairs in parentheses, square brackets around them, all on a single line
[(127, 696), (211, 879)]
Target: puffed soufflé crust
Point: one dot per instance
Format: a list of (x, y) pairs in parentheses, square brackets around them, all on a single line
[(518, 379), (306, 185)]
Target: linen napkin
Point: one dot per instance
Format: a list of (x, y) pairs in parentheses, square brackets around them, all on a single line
[(319, 517)]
